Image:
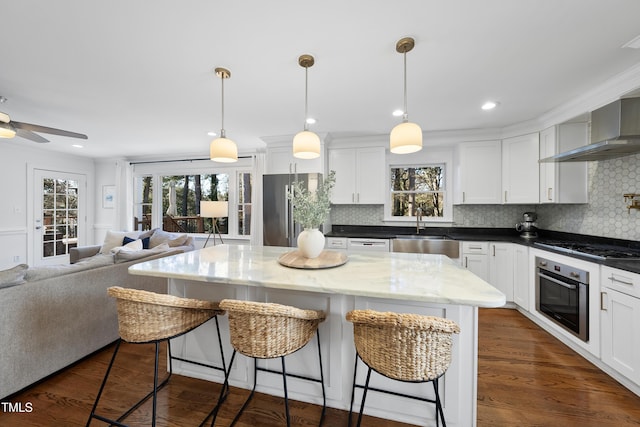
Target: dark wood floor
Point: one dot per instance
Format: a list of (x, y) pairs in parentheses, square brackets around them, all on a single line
[(526, 378)]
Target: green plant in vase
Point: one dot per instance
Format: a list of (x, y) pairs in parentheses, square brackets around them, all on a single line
[(310, 210)]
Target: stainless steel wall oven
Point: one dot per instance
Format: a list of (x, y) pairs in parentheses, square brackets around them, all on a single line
[(562, 294)]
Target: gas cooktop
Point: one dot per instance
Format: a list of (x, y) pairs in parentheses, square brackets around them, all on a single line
[(598, 251)]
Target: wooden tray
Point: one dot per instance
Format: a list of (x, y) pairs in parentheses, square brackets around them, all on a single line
[(326, 259)]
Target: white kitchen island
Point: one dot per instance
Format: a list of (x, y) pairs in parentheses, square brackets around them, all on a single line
[(416, 283)]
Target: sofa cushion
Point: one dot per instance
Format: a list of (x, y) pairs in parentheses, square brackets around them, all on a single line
[(48, 271), (116, 238), (13, 276)]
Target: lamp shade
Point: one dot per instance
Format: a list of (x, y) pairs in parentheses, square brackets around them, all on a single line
[(306, 145), (223, 150), (214, 209), (405, 138), (6, 130)]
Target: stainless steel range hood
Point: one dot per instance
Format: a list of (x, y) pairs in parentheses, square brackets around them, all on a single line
[(615, 132)]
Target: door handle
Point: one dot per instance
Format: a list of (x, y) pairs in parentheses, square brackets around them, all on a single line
[(602, 303)]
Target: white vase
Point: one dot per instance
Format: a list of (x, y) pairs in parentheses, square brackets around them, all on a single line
[(310, 242)]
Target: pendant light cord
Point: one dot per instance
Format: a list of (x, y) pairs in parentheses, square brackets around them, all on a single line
[(222, 132), (405, 115), (306, 85)]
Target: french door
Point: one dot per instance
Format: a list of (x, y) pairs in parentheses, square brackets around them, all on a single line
[(59, 211)]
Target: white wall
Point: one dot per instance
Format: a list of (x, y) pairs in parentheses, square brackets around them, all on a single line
[(17, 158)]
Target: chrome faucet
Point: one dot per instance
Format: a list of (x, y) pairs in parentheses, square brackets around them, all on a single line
[(418, 219)]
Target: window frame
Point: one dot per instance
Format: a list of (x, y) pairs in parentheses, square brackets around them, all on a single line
[(434, 158)]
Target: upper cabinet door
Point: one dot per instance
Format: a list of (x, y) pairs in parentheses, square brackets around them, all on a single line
[(564, 182), (478, 173), (280, 160), (520, 169), (360, 175)]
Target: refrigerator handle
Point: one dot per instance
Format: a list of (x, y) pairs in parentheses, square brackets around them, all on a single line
[(286, 211)]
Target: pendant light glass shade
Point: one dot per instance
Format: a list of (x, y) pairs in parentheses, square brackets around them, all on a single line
[(222, 149), (306, 144), (406, 137)]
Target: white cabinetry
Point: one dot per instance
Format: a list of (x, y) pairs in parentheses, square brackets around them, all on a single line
[(478, 169), (522, 284), (520, 169), (280, 160), (501, 268), (360, 175), (336, 243), (564, 182), (620, 321), (475, 257)]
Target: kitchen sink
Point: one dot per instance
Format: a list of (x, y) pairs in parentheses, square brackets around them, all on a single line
[(424, 244)]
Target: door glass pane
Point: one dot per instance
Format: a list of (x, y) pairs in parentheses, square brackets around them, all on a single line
[(60, 216)]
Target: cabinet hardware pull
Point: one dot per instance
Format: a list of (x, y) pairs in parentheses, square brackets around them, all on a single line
[(494, 249), (505, 196), (466, 262), (463, 197), (624, 282), (286, 209), (549, 193), (602, 305)]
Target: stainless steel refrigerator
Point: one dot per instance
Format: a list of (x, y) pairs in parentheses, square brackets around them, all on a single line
[(278, 226)]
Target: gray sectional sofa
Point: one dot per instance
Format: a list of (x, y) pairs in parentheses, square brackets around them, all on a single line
[(55, 316)]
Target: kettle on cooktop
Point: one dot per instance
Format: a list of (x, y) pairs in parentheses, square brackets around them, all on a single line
[(528, 227)]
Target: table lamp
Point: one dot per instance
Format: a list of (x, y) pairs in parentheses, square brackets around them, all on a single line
[(213, 210)]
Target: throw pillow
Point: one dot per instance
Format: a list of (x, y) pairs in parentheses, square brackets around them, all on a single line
[(114, 239), (132, 246), (145, 241), (173, 240), (13, 276), (125, 256)]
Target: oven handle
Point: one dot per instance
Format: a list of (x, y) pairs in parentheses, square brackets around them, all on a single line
[(556, 281)]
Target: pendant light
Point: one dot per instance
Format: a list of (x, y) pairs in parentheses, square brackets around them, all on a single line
[(406, 137), (223, 149), (306, 144)]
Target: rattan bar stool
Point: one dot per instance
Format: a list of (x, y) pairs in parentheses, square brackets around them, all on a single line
[(405, 347), (147, 317), (266, 331)]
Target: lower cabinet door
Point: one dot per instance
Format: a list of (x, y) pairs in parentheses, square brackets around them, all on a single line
[(620, 332)]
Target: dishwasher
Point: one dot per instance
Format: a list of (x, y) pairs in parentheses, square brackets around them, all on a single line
[(367, 245)]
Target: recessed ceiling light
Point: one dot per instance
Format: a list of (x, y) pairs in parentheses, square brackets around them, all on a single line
[(489, 105), (211, 133), (78, 145), (311, 120), (397, 113)]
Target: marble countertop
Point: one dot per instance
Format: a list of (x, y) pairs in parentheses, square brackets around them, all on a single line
[(414, 277)]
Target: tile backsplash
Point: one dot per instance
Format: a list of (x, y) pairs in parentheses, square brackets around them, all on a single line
[(605, 215)]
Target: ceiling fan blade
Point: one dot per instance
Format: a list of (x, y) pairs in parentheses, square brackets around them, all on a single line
[(45, 129), (30, 135)]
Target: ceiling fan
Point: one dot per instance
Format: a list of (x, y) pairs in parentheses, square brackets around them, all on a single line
[(10, 128)]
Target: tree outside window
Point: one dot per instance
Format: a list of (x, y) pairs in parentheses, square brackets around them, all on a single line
[(181, 196), (414, 187)]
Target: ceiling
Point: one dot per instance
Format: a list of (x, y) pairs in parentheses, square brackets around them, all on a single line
[(137, 76)]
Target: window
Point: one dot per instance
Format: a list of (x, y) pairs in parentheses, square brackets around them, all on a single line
[(414, 187), (179, 187), (245, 184)]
